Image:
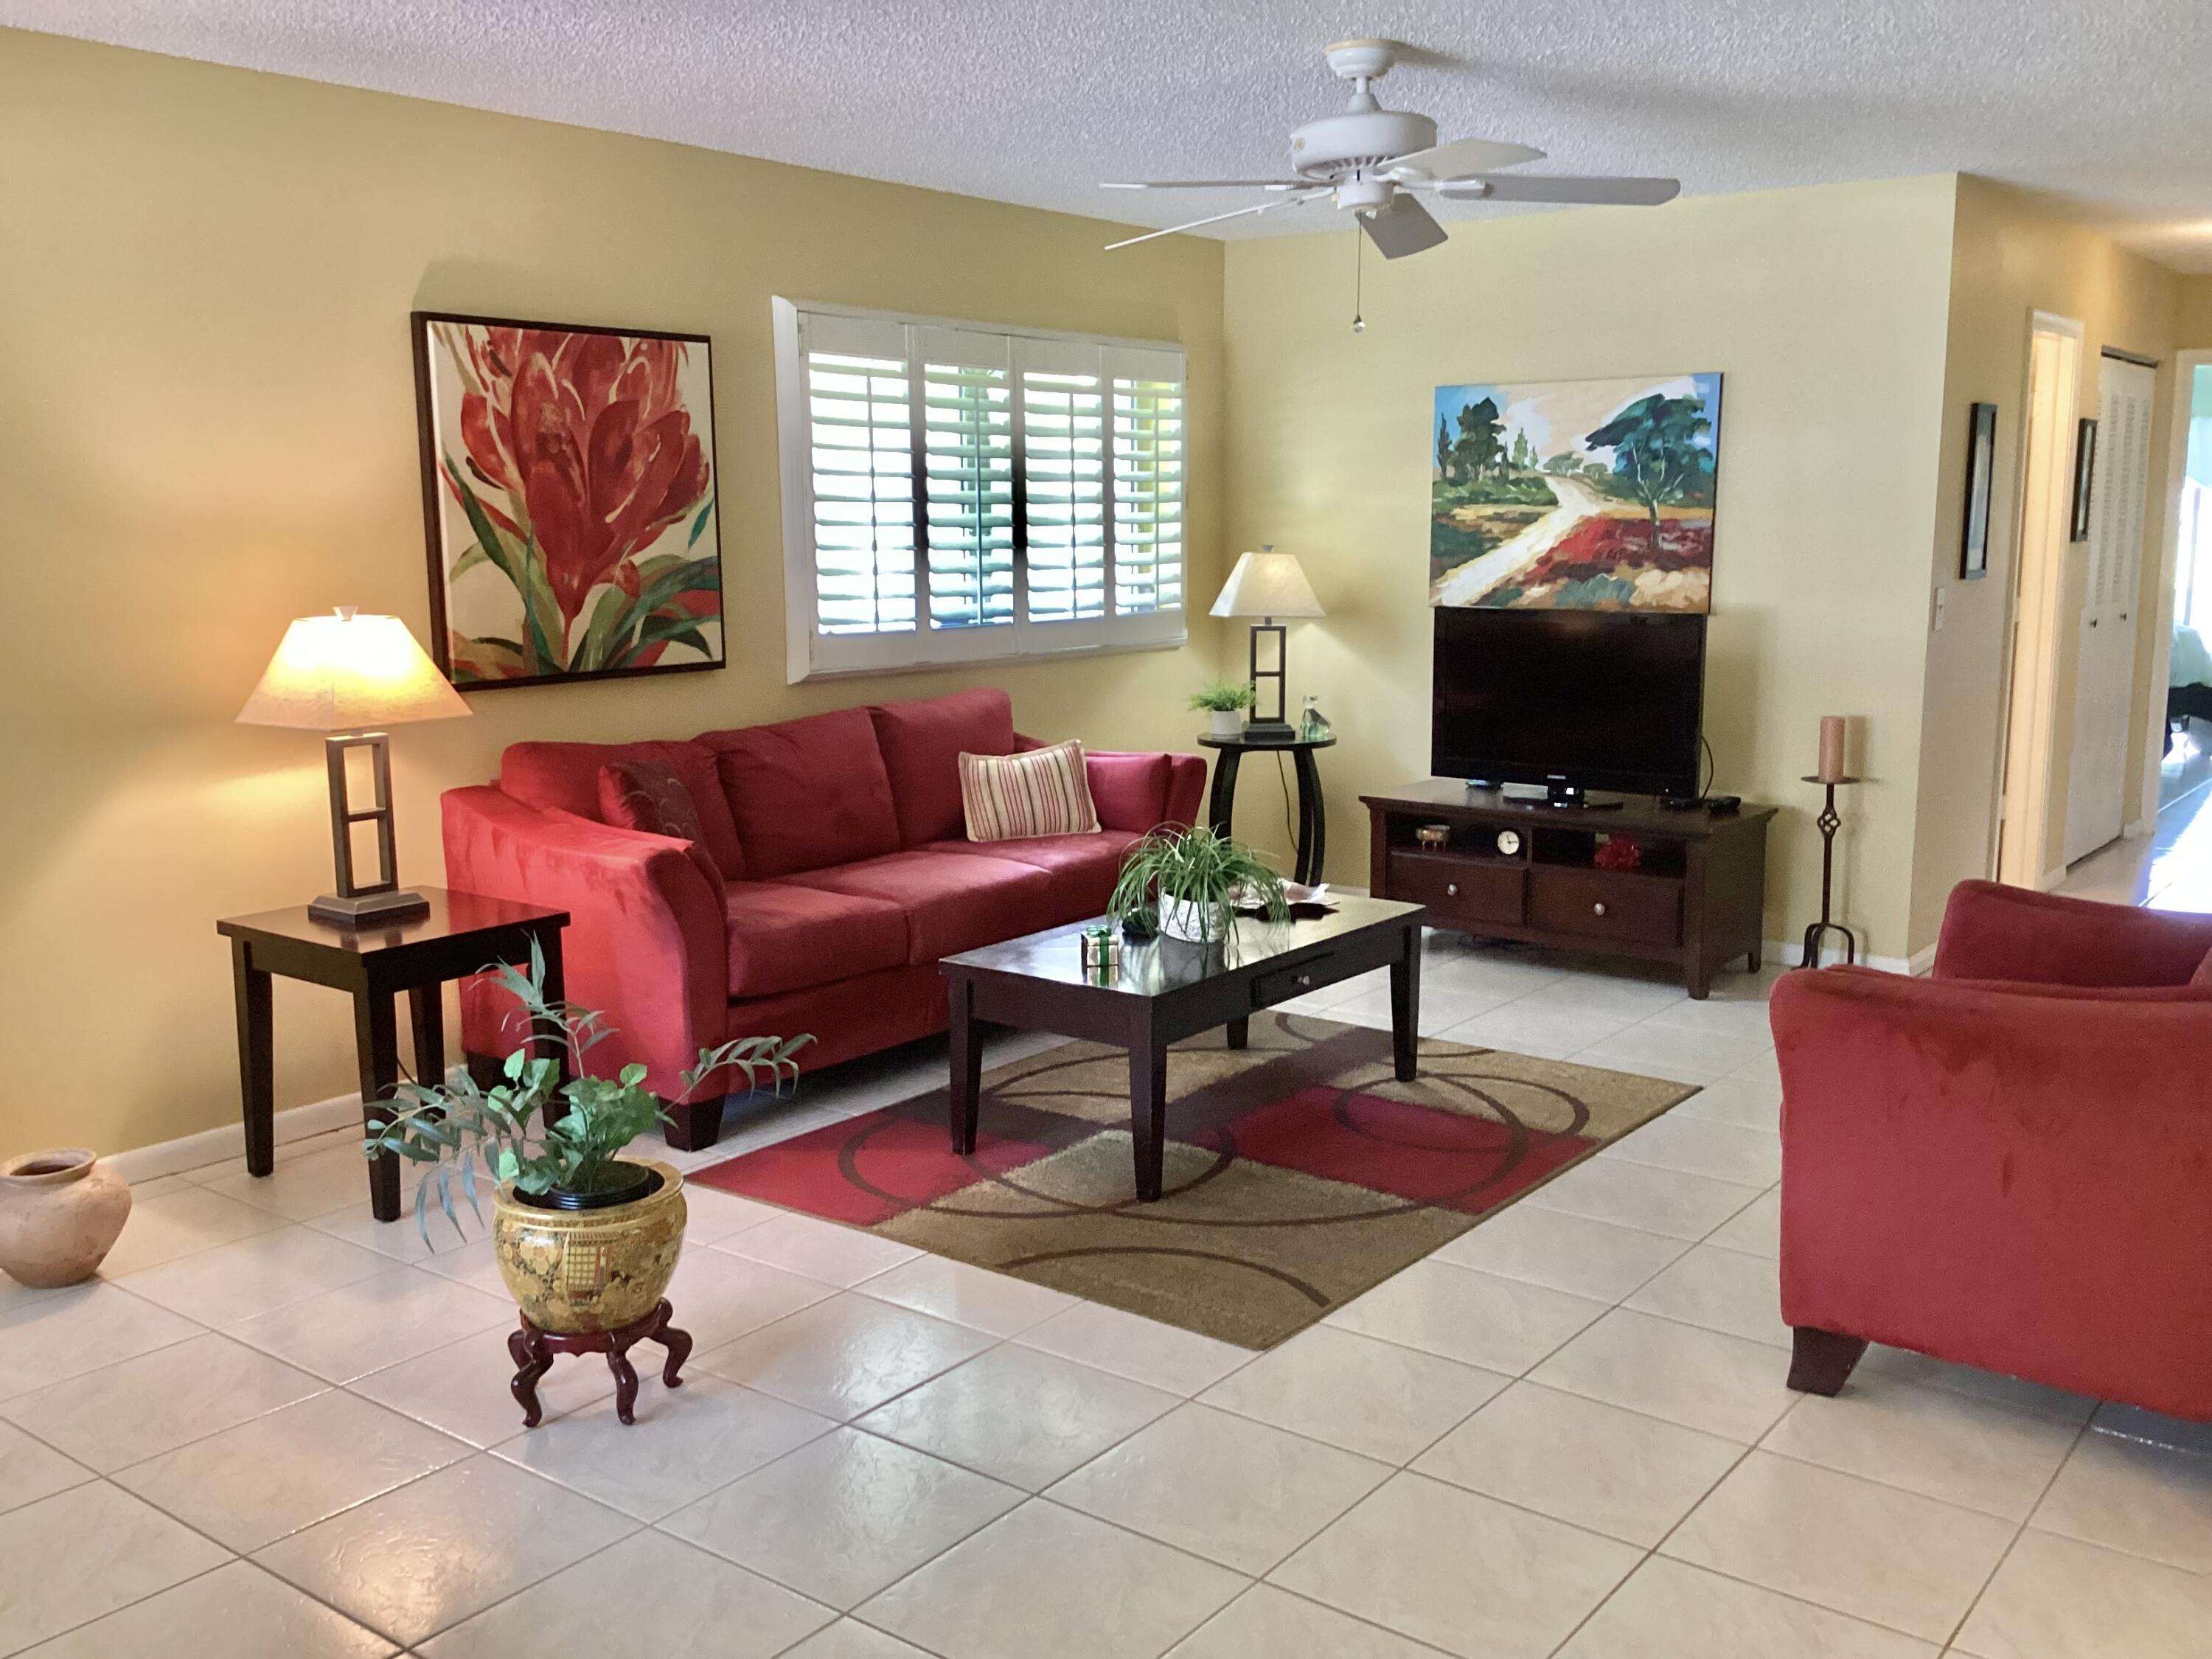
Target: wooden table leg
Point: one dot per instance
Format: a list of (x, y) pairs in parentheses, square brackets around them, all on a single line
[(1240, 1033), (1313, 823), (1405, 1006), (967, 1088), (1221, 802), (1148, 1104), (257, 1059), (376, 1046), (426, 1015), (557, 992)]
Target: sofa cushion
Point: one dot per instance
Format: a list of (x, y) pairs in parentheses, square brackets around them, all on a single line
[(952, 902), (1130, 791), (1083, 868), (2202, 977), (1046, 792), (565, 777), (785, 937), (923, 743), (807, 793)]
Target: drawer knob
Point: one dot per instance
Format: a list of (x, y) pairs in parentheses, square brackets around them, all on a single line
[(1451, 889), (1598, 909), (1303, 981)]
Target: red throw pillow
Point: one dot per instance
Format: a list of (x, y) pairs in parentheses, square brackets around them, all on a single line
[(1130, 791), (647, 795), (2202, 977)]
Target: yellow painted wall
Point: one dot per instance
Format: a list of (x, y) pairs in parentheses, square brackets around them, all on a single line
[(2192, 314), (2011, 255), (1824, 308), (207, 427)]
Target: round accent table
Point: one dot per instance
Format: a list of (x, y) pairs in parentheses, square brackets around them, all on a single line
[(1313, 829)]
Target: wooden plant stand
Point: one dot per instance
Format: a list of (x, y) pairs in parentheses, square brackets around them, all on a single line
[(532, 1350)]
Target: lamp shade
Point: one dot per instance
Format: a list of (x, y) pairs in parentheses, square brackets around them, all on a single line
[(1268, 584), (346, 672)]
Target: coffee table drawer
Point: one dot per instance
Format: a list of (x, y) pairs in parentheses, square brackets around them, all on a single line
[(1295, 981), (1602, 904)]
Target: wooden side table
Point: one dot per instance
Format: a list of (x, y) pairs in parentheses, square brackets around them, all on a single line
[(1313, 827), (462, 934)]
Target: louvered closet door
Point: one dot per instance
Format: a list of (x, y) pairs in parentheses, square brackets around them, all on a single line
[(2104, 680)]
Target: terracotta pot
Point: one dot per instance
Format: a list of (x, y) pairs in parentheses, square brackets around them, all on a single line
[(60, 1213), (577, 1271)]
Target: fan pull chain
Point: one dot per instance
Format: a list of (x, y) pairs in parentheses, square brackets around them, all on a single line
[(1358, 259)]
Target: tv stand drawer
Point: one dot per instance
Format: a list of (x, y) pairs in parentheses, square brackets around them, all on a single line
[(1604, 904), (1458, 888)]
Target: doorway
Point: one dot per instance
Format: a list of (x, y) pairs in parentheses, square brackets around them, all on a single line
[(2104, 681), (2054, 378)]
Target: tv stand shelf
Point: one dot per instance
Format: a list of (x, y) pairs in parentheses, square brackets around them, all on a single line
[(1698, 900)]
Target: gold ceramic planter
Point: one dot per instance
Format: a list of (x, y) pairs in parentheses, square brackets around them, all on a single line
[(579, 1270)]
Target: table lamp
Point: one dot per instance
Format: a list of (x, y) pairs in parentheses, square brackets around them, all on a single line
[(1267, 585), (349, 676)]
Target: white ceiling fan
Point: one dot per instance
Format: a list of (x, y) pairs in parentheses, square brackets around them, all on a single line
[(1371, 159)]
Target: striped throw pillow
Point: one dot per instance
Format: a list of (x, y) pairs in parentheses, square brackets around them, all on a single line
[(1040, 791)]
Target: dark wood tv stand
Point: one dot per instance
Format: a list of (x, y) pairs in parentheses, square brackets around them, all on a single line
[(1699, 900)]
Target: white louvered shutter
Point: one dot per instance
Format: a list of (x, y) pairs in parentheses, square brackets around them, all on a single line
[(1148, 479), (1064, 480), (968, 435), (859, 421)]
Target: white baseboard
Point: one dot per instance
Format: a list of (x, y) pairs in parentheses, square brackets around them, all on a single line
[(2050, 879), (2135, 829), (1790, 954), (213, 1145)]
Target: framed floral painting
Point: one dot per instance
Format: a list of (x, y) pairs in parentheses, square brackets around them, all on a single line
[(569, 496)]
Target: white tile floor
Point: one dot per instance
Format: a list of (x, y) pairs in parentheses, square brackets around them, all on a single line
[(276, 1429)]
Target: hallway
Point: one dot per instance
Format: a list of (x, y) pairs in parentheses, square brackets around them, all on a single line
[(2172, 868)]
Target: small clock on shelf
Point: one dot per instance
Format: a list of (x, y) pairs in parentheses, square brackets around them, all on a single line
[(1509, 844)]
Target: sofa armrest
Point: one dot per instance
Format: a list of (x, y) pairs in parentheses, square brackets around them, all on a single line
[(1995, 932), (646, 944), (1970, 1171)]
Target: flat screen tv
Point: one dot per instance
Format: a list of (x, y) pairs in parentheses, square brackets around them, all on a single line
[(1574, 699)]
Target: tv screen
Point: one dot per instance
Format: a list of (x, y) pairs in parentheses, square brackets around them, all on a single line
[(1574, 699)]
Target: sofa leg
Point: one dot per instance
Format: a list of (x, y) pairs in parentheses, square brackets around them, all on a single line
[(692, 1128), (1821, 1361)]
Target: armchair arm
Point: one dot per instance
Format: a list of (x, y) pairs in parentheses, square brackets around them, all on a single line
[(646, 944), (1994, 931), (2004, 1177)]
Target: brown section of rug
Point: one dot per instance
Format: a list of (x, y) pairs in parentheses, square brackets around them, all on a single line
[(1299, 1172)]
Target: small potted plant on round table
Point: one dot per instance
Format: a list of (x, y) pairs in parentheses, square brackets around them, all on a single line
[(586, 1238), (1187, 883), (1223, 702)]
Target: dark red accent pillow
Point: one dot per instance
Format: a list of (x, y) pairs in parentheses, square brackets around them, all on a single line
[(2202, 977), (1129, 791), (647, 795), (565, 776)]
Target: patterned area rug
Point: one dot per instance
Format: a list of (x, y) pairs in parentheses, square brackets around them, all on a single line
[(1299, 1172)]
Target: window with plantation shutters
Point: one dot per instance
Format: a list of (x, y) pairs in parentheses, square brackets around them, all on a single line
[(954, 493)]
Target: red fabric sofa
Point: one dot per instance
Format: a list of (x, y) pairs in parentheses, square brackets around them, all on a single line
[(832, 872), (2008, 1165)]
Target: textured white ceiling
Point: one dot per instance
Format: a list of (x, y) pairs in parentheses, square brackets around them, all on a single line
[(2108, 104)]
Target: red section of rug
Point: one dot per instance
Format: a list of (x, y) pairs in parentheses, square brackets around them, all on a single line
[(867, 1170), (1439, 1158)]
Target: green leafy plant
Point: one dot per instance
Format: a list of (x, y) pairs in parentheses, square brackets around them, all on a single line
[(450, 1127), (1227, 695), (1197, 868)]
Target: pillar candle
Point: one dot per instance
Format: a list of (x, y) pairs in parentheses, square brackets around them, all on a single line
[(1832, 748)]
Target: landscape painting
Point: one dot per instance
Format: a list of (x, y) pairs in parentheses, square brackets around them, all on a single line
[(569, 496), (1575, 495)]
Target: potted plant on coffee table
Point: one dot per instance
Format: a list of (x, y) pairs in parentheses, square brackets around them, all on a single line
[(586, 1238), (1223, 702), (1188, 881)]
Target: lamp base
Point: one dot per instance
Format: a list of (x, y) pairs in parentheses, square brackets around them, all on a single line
[(1269, 732), (369, 909)]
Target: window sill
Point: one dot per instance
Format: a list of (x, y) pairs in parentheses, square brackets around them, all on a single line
[(1011, 660)]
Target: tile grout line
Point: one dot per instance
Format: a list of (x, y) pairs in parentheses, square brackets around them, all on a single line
[(2019, 1533)]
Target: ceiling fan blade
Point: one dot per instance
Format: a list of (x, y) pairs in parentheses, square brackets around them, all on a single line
[(1405, 227), (1240, 213), (1461, 156), (1530, 187), (1207, 184)]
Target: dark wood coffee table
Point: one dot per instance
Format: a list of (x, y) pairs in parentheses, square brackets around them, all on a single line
[(1166, 990)]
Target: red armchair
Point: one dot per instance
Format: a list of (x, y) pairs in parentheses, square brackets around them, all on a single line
[(2008, 1165), (832, 872)]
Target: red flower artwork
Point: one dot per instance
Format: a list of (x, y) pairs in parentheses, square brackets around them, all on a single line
[(578, 451)]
